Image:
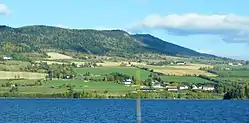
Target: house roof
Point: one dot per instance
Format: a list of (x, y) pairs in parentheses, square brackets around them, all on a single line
[(172, 87)]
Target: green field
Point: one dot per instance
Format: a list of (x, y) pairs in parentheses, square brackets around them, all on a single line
[(233, 73), (131, 71), (56, 86), (233, 79), (185, 79), (90, 86)]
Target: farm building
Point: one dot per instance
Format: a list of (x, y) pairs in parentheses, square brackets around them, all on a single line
[(181, 63), (208, 88), (157, 86), (194, 87), (127, 82), (7, 58), (183, 87), (147, 89), (172, 88)]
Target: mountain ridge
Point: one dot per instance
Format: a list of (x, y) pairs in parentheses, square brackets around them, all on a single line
[(113, 42)]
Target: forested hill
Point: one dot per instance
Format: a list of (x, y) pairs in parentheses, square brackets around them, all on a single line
[(39, 38)]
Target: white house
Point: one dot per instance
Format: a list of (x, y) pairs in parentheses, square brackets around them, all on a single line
[(12, 85), (157, 86), (172, 88), (208, 88), (231, 64), (194, 87), (127, 82), (181, 63), (7, 58), (183, 87)]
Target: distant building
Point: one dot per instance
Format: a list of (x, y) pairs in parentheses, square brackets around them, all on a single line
[(208, 88), (194, 87), (157, 86), (7, 58), (181, 63), (128, 65), (239, 64), (147, 89), (12, 85), (127, 82), (235, 64), (172, 88), (184, 87)]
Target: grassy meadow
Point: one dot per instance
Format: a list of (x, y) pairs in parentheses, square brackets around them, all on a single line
[(185, 79), (91, 86), (233, 73), (131, 71)]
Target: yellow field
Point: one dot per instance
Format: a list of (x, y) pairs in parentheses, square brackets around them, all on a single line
[(25, 75), (114, 64), (184, 72), (191, 66), (192, 69), (54, 56)]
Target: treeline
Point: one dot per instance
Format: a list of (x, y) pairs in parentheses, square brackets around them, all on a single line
[(237, 91), (143, 95)]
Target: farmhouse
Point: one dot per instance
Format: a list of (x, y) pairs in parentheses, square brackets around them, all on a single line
[(127, 82), (234, 64), (157, 86), (194, 87), (147, 89), (208, 88), (7, 58), (172, 88), (183, 87), (181, 63)]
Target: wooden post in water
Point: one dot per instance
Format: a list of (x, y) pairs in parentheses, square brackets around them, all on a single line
[(139, 119)]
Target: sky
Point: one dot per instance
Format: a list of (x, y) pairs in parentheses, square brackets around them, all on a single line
[(219, 27)]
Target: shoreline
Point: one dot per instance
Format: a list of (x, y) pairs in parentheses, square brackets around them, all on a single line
[(101, 98)]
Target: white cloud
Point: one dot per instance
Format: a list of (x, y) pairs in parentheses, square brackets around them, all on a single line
[(61, 26), (4, 9), (230, 27)]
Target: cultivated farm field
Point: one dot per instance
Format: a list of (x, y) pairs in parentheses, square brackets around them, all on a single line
[(185, 79), (234, 79), (91, 86), (131, 71), (233, 73), (116, 64), (180, 70), (24, 75), (184, 72)]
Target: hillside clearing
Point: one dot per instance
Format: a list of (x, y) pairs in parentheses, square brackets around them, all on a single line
[(54, 56)]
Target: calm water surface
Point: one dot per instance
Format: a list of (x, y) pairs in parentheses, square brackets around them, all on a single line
[(122, 111)]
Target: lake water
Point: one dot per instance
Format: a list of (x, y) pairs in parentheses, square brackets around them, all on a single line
[(122, 111)]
